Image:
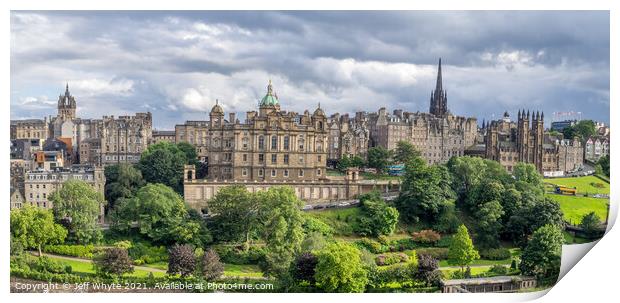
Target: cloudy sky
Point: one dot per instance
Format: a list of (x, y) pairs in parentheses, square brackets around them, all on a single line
[(175, 64)]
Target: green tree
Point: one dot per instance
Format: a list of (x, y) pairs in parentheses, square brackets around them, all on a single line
[(113, 261), (163, 163), (404, 152), (343, 163), (122, 181), (33, 227), (340, 269), (533, 215), (235, 212), (189, 151), (604, 163), (357, 161), (424, 195), (81, 205), (379, 158), (462, 252), (377, 218), (591, 224), (541, 257), (583, 130), (282, 231), (160, 214)]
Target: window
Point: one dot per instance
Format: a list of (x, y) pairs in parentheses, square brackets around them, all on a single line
[(318, 172), (286, 173), (285, 159), (301, 172), (260, 172), (261, 142), (245, 142), (286, 142), (301, 143), (261, 158), (273, 172), (244, 172), (274, 142), (245, 157), (319, 158), (274, 159), (301, 159)]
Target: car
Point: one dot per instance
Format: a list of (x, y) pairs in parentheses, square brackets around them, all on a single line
[(343, 204), (307, 207)]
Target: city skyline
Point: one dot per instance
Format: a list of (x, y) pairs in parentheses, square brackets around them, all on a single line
[(386, 59)]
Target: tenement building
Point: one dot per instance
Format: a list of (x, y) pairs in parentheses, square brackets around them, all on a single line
[(40, 184), (36, 129), (109, 140), (270, 144), (347, 137), (437, 135), (510, 142)]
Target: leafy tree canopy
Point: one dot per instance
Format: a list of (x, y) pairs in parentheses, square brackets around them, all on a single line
[(33, 227), (80, 205), (340, 269)]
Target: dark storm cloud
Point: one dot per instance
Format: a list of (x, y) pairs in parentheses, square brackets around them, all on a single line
[(176, 64)]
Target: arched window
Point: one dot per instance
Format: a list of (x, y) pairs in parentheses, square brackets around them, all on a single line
[(274, 142), (286, 142), (261, 142), (301, 144)]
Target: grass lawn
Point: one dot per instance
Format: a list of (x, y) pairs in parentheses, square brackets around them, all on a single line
[(159, 265), (371, 176), (479, 262), (342, 220), (474, 270), (583, 184), (242, 271), (87, 268), (334, 173), (574, 208)]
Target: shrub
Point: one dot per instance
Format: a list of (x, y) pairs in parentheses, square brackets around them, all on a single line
[(457, 274), (439, 253), (181, 260), (383, 240), (113, 261), (235, 255), (391, 258), (428, 270), (68, 269), (125, 244), (144, 253), (426, 236), (498, 269), (46, 264), (80, 251), (495, 254), (312, 224), (371, 245), (212, 268)]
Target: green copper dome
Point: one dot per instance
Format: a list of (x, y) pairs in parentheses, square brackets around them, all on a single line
[(271, 98)]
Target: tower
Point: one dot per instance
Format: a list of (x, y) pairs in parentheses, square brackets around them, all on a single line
[(523, 136), (439, 98), (538, 137), (66, 105), (216, 116)]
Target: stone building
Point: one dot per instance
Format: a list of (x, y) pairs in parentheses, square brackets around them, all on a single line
[(29, 129), (438, 135), (109, 140), (347, 136), (270, 145), (595, 148), (123, 139), (39, 184), (510, 142), (163, 136)]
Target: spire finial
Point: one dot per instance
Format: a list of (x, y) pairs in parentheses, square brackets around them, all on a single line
[(67, 89), (217, 101), (319, 104), (269, 88), (439, 85)]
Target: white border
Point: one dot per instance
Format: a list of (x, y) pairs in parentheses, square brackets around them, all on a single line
[(593, 278)]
